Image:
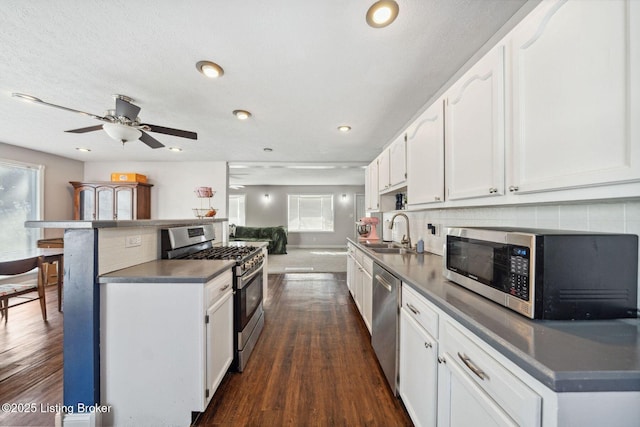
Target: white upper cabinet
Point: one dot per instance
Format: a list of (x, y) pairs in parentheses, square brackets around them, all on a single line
[(383, 171), (398, 161), (425, 157), (372, 196), (392, 166), (576, 95), (475, 130)]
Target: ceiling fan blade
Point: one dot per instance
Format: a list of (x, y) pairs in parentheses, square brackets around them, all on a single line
[(170, 131), (150, 141), (85, 130), (126, 109), (30, 98)]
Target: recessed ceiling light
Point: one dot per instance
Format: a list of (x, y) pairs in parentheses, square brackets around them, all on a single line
[(210, 69), (382, 13), (344, 128), (84, 150), (267, 149), (176, 149), (241, 114)]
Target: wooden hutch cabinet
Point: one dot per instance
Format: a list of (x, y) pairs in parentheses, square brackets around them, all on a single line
[(111, 200)]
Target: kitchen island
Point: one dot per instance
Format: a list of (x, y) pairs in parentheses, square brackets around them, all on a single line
[(571, 364), (166, 337), (94, 249)]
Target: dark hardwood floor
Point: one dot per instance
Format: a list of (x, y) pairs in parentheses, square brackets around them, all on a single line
[(313, 365), (31, 362)]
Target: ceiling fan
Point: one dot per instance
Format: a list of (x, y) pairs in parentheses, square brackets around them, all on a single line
[(121, 124)]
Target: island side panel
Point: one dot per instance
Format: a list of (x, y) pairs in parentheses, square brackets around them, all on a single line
[(81, 319)]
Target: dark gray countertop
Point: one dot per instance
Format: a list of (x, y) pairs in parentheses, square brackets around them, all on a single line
[(122, 223), (566, 356), (169, 271)]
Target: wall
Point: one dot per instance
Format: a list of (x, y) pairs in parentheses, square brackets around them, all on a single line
[(261, 212), (58, 194), (615, 216), (172, 195)]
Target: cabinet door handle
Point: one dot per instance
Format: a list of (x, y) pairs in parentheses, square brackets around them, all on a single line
[(513, 188), (493, 190), (467, 361), (437, 198), (412, 308), (441, 359), (428, 345), (225, 287)]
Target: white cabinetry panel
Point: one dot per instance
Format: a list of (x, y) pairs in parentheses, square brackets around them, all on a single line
[(418, 370), (383, 171), (576, 79), (475, 130), (372, 195), (425, 157), (398, 161)]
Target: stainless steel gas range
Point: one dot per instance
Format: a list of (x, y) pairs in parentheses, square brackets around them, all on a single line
[(197, 242)]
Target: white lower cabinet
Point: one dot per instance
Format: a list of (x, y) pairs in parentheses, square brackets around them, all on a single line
[(159, 358), (367, 292), (448, 380), (219, 333), (351, 268), (476, 388), (360, 282), (418, 371)]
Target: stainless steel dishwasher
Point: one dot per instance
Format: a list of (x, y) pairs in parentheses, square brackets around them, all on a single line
[(384, 331)]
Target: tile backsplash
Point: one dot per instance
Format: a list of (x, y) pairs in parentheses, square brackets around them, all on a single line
[(616, 217)]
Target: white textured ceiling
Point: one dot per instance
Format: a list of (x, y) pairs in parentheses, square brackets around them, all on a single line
[(302, 68)]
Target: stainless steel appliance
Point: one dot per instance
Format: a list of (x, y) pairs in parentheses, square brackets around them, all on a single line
[(547, 274), (197, 242), (384, 329)]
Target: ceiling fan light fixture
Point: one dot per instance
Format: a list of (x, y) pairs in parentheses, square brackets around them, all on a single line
[(210, 69), (175, 149), (382, 13), (83, 150), (344, 128), (121, 133), (241, 114)]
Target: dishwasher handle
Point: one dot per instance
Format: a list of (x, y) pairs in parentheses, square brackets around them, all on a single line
[(384, 283)]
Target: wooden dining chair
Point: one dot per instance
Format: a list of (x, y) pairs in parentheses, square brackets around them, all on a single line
[(20, 290)]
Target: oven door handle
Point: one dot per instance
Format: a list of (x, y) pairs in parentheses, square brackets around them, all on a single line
[(242, 280)]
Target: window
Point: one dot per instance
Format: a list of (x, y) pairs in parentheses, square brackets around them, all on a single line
[(20, 201), (236, 209), (310, 212)]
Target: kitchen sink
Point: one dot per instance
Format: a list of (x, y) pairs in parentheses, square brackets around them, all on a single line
[(388, 250), (378, 245)]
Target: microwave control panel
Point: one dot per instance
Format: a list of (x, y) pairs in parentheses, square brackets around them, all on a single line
[(519, 272)]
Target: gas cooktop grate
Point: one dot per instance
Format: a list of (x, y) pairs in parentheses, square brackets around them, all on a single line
[(223, 252)]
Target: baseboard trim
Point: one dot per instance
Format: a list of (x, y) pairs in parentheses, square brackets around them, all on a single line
[(88, 419)]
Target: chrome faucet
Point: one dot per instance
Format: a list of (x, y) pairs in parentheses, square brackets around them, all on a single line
[(406, 240)]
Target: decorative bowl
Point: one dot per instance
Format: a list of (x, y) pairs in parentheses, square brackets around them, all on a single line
[(205, 213)]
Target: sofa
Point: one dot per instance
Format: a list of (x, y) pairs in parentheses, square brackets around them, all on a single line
[(275, 236)]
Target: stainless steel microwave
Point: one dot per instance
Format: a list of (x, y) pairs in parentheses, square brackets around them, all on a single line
[(547, 274)]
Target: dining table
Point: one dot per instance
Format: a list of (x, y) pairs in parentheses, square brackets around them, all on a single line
[(49, 255)]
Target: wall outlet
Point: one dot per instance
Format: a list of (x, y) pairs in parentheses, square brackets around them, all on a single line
[(132, 241)]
